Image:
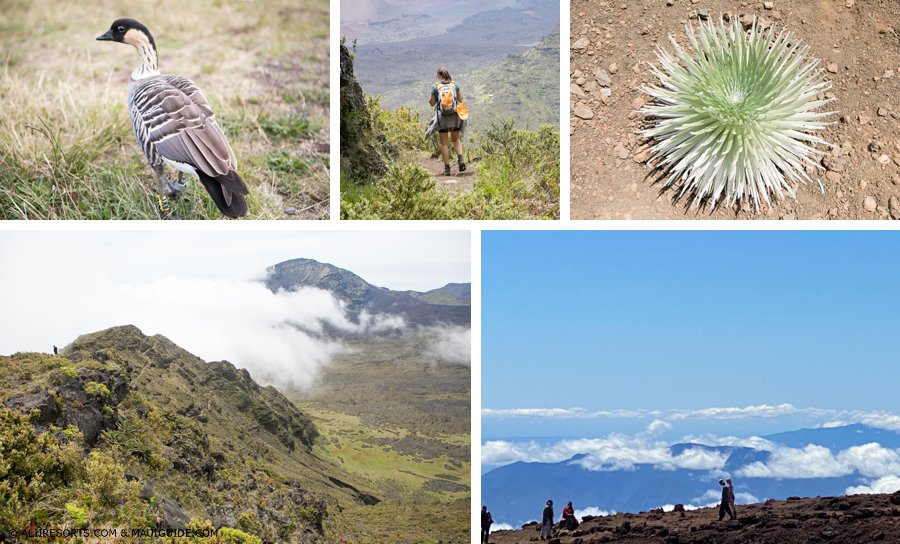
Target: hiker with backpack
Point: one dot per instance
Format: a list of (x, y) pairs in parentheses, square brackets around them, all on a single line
[(446, 98)]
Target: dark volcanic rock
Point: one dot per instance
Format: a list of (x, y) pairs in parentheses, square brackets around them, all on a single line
[(870, 518), (364, 153)]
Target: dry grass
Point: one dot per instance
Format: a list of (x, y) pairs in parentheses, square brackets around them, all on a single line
[(66, 146)]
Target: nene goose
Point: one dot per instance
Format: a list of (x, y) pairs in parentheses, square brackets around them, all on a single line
[(174, 125)]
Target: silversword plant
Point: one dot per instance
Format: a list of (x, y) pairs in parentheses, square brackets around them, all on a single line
[(733, 118)]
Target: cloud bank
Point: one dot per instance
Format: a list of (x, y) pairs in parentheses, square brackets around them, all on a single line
[(880, 419), (281, 338)]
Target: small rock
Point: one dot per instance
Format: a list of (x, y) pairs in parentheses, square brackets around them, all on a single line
[(583, 111), (580, 81), (769, 5), (882, 112), (621, 151), (636, 68), (789, 216), (590, 86), (832, 67), (602, 77), (642, 157), (869, 204), (581, 44), (884, 159), (290, 210), (875, 146), (833, 177), (576, 90), (849, 3), (637, 103), (613, 68), (703, 14), (746, 21), (670, 2), (864, 119), (894, 207), (577, 73), (605, 93), (835, 164), (888, 74), (863, 184)]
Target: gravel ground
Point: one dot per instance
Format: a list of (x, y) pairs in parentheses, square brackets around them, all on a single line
[(613, 45)]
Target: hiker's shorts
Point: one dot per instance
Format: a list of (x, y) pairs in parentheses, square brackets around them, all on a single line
[(449, 122)]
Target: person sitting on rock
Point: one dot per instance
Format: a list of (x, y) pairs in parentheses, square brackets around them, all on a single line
[(547, 521), (725, 504), (568, 520)]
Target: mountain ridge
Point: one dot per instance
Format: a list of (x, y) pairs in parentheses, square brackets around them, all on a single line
[(362, 296)]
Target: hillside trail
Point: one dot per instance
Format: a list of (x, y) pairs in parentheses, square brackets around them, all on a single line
[(456, 181)]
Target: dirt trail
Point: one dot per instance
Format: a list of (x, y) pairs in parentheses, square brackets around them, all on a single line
[(456, 181)]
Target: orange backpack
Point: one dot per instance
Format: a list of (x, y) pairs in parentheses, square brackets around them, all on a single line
[(447, 96)]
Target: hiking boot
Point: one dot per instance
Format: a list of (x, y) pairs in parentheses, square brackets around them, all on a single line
[(462, 166), (446, 169)]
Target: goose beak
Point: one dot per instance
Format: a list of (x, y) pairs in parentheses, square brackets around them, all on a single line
[(108, 37)]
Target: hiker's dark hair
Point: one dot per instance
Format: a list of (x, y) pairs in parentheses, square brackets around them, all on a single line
[(444, 74)]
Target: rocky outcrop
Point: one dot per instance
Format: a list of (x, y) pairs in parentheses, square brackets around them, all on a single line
[(855, 518), (364, 152), (87, 399)]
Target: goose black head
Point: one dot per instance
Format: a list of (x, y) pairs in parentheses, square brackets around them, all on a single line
[(127, 31)]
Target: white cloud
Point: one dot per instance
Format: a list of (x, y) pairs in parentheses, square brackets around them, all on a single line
[(449, 344), (658, 426), (614, 452), (886, 484), (879, 419), (813, 461), (501, 527)]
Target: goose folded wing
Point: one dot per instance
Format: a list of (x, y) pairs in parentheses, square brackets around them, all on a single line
[(186, 133)]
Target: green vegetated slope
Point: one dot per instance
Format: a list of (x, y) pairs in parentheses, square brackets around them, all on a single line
[(516, 170), (525, 86), (67, 150), (125, 430), (400, 423)]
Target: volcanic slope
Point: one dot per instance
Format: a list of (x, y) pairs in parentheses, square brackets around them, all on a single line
[(850, 519), (123, 429)]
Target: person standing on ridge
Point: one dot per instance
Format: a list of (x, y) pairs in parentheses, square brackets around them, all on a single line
[(486, 521), (446, 97), (725, 504), (547, 521), (731, 496)]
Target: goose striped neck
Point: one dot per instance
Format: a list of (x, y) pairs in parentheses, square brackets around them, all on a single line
[(148, 63)]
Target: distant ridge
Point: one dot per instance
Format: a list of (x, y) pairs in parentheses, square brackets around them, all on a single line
[(361, 296)]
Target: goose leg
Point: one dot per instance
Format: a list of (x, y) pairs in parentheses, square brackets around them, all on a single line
[(167, 187)]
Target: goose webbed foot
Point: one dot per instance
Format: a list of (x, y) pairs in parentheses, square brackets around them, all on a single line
[(172, 188)]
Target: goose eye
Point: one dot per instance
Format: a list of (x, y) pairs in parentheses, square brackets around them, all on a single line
[(121, 29)]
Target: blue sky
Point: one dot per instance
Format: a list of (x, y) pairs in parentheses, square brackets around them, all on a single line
[(665, 320)]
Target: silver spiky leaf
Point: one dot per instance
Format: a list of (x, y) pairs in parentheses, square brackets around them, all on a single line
[(733, 118)]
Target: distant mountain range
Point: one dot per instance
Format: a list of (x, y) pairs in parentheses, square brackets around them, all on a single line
[(401, 66), (516, 492), (446, 305)]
